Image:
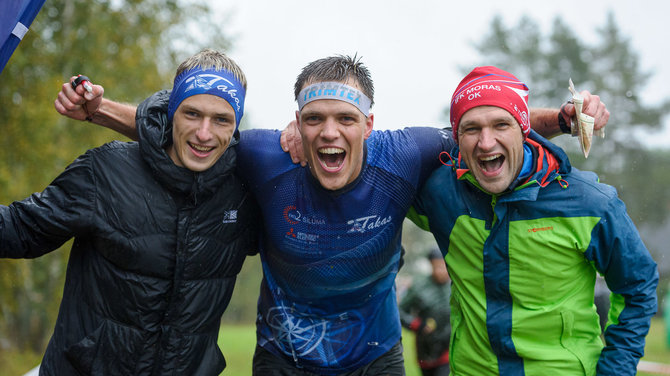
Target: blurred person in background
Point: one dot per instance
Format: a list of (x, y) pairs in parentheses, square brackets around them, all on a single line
[(424, 309)]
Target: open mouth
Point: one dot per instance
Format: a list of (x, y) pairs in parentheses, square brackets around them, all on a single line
[(200, 150), (491, 164), (331, 158)]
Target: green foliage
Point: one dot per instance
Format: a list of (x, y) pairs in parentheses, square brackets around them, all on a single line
[(131, 47), (237, 343), (15, 362), (242, 308)]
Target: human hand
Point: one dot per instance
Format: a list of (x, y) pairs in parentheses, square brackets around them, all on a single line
[(592, 106), (78, 103), (291, 142)]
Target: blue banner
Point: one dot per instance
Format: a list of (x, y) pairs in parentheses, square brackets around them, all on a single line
[(15, 19)]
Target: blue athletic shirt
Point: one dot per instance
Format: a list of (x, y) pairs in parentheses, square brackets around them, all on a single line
[(327, 300)]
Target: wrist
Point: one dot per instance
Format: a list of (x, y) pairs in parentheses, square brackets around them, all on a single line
[(89, 114), (564, 121)]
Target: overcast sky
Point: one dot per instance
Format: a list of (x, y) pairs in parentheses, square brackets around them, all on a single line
[(413, 48)]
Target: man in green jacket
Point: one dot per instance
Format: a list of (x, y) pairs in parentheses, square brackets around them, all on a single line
[(524, 235)]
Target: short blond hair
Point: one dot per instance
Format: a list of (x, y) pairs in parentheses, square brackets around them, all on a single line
[(212, 59)]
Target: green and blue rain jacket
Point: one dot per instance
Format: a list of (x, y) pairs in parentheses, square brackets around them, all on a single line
[(523, 265)]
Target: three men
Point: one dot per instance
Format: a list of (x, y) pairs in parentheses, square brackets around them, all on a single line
[(330, 249)]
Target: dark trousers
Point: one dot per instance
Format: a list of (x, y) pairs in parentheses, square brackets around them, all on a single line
[(442, 370), (268, 364)]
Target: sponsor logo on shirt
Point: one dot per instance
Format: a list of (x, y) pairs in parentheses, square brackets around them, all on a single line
[(368, 223), (230, 216), (302, 236), (293, 216), (312, 337), (307, 237), (538, 229)]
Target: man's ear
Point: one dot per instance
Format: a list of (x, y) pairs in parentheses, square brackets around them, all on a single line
[(369, 122)]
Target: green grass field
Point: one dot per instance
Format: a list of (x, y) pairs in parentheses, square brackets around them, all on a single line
[(238, 342)]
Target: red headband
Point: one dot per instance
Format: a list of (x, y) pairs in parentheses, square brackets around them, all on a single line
[(491, 86)]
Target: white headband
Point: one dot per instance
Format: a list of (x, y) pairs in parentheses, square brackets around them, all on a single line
[(335, 90)]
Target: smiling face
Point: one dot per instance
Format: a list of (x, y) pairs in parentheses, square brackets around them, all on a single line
[(333, 135), (491, 144), (203, 126)]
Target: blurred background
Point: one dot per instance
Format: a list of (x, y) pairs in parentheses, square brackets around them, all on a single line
[(417, 52)]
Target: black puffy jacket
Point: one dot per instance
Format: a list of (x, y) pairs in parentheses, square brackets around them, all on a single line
[(156, 252)]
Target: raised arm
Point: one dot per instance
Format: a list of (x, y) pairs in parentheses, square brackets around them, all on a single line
[(550, 122), (80, 104)]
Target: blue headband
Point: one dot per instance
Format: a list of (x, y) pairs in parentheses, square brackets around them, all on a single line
[(335, 90), (196, 81)]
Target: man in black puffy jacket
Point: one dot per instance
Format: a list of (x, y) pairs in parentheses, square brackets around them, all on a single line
[(161, 230)]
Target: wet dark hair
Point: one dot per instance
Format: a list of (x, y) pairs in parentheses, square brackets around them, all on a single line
[(338, 68)]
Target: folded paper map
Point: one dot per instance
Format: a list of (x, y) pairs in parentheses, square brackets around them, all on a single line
[(582, 126)]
